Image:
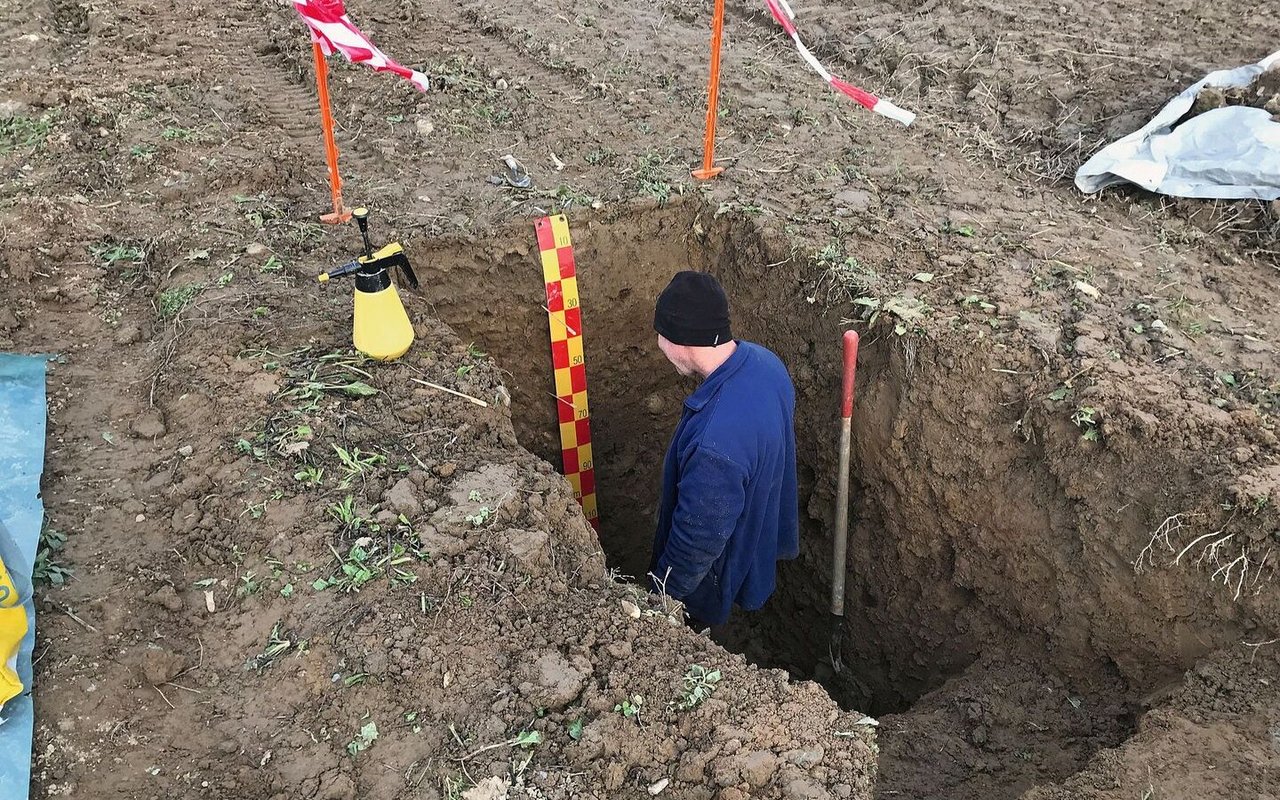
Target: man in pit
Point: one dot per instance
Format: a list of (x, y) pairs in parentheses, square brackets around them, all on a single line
[(729, 509)]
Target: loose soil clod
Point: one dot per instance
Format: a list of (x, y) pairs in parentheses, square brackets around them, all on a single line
[(1263, 92)]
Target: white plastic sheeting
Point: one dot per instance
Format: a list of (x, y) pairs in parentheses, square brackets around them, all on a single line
[(1230, 153)]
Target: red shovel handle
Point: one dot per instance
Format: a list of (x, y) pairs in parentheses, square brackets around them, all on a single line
[(850, 369)]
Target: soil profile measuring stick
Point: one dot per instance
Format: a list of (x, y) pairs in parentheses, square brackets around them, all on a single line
[(564, 317)]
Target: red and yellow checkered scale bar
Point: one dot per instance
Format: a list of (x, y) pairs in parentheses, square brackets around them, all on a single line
[(564, 314)]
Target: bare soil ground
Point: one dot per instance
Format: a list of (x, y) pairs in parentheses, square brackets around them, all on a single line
[(1062, 557)]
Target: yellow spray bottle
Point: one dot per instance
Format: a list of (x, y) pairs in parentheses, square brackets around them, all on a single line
[(380, 326)]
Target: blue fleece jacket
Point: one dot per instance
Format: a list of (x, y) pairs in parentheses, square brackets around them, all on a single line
[(729, 507)]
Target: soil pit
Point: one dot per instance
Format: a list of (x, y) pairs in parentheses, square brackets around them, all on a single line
[(976, 701)]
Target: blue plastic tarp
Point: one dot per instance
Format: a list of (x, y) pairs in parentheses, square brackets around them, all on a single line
[(22, 423)]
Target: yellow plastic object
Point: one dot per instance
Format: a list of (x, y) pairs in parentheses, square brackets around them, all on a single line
[(382, 329), (13, 627)]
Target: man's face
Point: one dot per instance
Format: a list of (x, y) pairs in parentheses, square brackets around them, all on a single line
[(677, 355)]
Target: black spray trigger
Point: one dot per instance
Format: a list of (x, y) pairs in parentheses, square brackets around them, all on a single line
[(403, 263)]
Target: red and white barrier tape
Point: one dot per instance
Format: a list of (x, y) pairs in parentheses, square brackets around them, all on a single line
[(333, 30), (786, 18)]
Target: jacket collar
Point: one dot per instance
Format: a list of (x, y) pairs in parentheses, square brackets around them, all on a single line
[(711, 386)]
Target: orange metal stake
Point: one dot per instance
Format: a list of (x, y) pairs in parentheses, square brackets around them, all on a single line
[(709, 170), (340, 212)]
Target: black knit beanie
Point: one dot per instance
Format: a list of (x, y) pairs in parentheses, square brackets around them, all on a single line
[(693, 311)]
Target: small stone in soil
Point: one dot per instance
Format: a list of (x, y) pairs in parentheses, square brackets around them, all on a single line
[(168, 598), (979, 735), (148, 425), (161, 666), (403, 498)]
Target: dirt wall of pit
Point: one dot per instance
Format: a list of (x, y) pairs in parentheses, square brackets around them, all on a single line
[(982, 520)]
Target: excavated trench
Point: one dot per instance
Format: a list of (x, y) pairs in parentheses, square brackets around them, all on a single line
[(945, 637)]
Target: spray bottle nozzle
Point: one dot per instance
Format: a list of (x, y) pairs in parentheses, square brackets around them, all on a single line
[(345, 269), (374, 265), (362, 219)]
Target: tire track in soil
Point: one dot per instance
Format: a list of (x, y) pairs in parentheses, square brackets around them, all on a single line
[(475, 32), (291, 108), (288, 103), (274, 86), (760, 27), (70, 21)]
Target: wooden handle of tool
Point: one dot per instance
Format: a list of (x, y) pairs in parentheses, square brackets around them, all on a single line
[(850, 370), (842, 477)]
